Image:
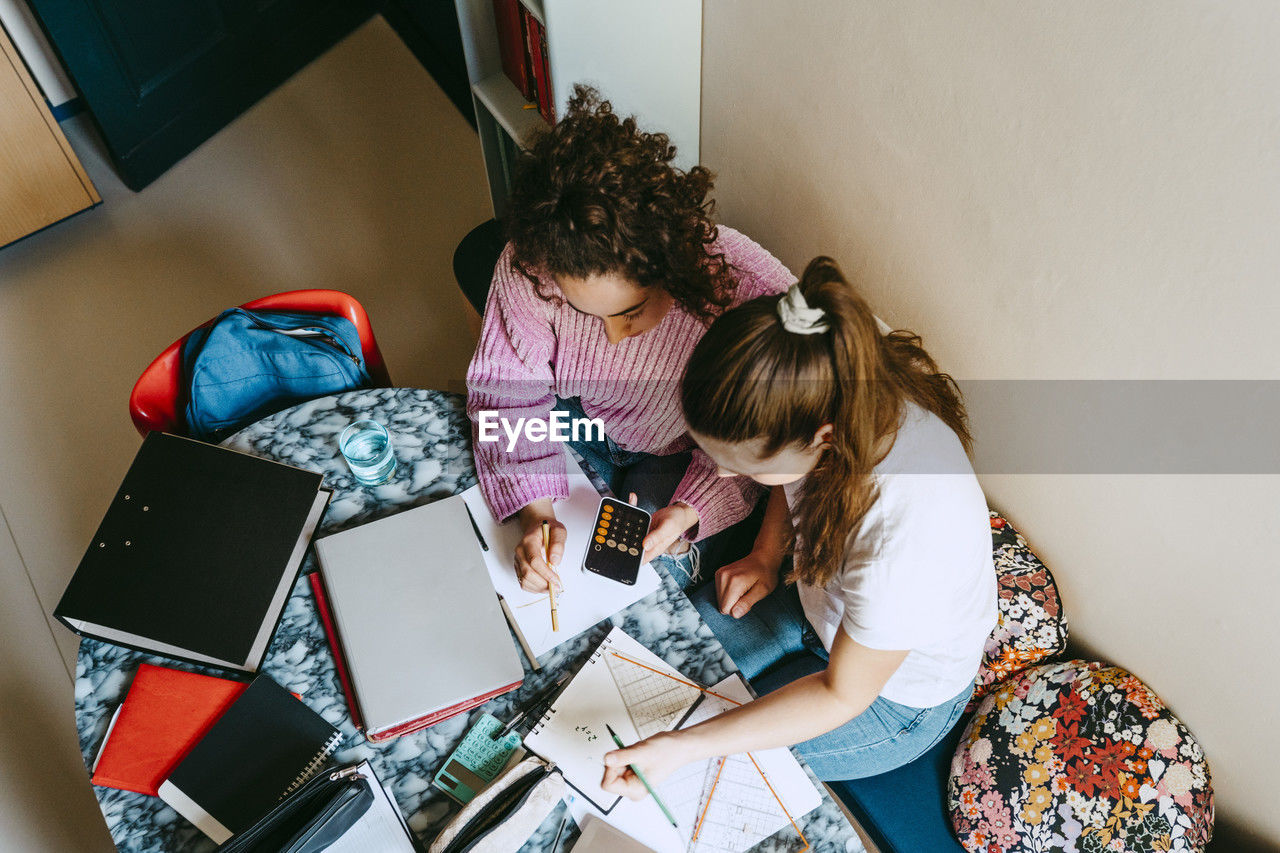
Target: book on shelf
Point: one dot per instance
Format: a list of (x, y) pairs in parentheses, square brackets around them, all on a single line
[(164, 714), (266, 745), (511, 45), (539, 64), (196, 554), (414, 619)]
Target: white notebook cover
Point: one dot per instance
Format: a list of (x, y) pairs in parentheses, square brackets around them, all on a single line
[(416, 615)]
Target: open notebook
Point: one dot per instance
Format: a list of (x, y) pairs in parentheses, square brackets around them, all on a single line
[(721, 805), (730, 804), (622, 685), (587, 598)]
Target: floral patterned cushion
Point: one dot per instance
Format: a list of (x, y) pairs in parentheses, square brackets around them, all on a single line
[(1078, 756), (1032, 626)]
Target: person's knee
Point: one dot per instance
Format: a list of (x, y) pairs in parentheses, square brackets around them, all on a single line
[(787, 670)]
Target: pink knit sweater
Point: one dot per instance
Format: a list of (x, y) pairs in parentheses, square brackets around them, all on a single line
[(532, 350)]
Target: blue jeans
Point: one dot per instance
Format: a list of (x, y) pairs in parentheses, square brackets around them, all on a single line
[(774, 644)]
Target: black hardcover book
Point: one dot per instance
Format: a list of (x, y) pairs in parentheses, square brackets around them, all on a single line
[(266, 745), (196, 555)]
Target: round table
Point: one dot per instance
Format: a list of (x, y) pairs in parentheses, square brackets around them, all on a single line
[(432, 439)]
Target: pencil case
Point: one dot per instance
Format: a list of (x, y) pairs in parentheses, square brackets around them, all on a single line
[(503, 816), (311, 818)]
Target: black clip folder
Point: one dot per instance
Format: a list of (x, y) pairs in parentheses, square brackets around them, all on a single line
[(196, 555)]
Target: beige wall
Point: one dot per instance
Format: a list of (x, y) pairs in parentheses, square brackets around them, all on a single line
[(1086, 190)]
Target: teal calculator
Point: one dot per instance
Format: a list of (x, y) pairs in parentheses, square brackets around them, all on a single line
[(477, 760)]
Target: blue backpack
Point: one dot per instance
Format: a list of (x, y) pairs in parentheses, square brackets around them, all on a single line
[(246, 364)]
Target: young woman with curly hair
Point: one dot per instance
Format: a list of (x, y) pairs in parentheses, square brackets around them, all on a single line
[(613, 271)]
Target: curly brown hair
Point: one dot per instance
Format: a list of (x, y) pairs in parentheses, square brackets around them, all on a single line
[(596, 195)]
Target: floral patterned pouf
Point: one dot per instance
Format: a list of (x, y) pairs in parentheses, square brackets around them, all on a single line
[(1079, 756), (1032, 627)]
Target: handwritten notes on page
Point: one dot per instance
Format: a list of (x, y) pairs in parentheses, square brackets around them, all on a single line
[(572, 733)]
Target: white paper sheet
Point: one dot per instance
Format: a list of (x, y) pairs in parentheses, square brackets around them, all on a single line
[(587, 598), (742, 811)]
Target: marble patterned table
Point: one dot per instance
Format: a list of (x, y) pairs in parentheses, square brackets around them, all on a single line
[(432, 444)]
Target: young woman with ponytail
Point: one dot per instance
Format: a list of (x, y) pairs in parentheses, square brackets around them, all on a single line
[(867, 645)]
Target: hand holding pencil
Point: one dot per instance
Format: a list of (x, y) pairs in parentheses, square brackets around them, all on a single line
[(633, 770), (535, 563)]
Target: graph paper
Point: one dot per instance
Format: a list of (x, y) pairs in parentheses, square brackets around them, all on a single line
[(726, 802), (654, 701)]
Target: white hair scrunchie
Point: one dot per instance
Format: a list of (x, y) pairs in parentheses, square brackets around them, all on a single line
[(797, 317)]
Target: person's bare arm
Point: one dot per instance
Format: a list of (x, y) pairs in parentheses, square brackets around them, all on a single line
[(801, 710)]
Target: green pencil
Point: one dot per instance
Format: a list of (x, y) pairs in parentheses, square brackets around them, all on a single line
[(640, 776)]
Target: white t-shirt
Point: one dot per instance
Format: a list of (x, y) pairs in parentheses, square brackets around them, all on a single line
[(918, 574)]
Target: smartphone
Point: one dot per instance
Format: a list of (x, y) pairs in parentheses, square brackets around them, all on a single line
[(617, 542)]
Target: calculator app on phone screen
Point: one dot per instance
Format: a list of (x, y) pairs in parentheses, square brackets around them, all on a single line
[(616, 546)]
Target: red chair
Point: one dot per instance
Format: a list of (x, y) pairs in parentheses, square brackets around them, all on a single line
[(157, 399)]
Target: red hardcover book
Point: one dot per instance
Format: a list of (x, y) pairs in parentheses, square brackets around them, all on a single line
[(442, 714), (536, 41), (339, 659), (164, 714), (547, 95), (507, 17)]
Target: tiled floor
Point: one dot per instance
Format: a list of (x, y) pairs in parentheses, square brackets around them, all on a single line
[(358, 174)]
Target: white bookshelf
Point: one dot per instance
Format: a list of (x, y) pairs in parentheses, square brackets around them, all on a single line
[(643, 55)]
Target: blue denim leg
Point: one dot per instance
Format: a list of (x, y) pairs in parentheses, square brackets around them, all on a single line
[(653, 478), (774, 644), (885, 736), (772, 632)]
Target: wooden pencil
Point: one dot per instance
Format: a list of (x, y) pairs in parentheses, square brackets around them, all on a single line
[(551, 587)]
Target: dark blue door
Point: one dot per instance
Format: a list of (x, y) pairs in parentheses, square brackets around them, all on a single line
[(162, 76)]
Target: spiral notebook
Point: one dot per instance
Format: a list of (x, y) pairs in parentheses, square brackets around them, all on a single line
[(266, 745), (622, 685)]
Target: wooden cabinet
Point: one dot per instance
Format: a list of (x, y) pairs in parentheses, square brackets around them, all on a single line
[(41, 180)]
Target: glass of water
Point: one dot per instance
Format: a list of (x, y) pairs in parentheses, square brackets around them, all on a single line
[(367, 448)]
